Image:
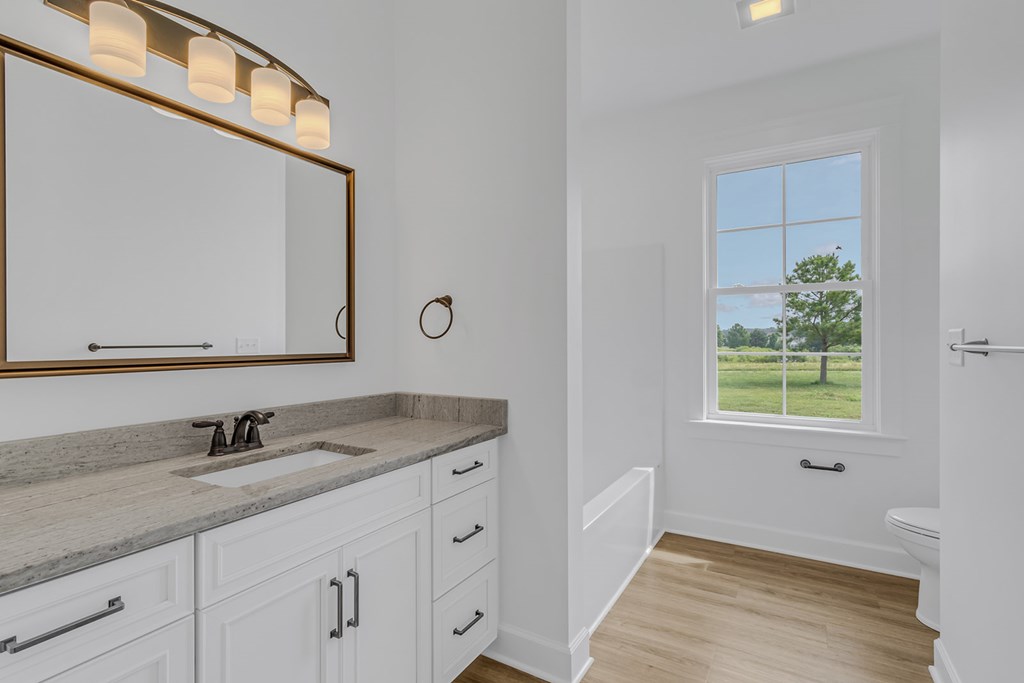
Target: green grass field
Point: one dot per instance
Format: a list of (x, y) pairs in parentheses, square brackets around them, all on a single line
[(756, 387)]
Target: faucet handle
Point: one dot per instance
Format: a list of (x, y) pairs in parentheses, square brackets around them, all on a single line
[(219, 442)]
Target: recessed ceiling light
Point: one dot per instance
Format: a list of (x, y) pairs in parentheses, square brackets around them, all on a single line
[(753, 12)]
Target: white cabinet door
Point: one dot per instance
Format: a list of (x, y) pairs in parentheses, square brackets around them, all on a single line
[(282, 630), (387, 636), (162, 657)]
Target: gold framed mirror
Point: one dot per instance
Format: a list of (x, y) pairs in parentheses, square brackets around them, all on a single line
[(134, 241)]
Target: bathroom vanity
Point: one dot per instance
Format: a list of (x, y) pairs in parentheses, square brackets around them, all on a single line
[(377, 566)]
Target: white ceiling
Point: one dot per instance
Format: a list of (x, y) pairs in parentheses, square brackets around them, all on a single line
[(642, 52)]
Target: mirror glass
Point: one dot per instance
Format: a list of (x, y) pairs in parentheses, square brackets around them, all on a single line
[(127, 225)]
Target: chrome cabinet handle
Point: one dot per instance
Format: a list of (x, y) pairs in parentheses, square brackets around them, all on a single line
[(339, 631), (354, 621), (476, 529), (476, 465), (465, 629), (114, 605)]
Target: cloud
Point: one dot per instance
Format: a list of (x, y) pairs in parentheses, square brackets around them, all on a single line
[(766, 300), (746, 301)]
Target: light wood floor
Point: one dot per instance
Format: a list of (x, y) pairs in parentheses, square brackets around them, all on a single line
[(705, 612)]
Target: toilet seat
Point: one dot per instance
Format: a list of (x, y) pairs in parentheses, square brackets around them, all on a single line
[(921, 521)]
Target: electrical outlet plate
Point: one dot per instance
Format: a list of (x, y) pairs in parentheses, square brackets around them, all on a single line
[(956, 336), (247, 345)]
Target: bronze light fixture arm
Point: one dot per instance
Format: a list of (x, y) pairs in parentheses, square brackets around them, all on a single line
[(221, 32), (168, 38)]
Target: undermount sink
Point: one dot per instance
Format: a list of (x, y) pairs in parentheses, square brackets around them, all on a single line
[(268, 469)]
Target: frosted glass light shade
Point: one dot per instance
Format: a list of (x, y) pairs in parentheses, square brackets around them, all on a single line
[(271, 97), (313, 124), (117, 39), (211, 69)]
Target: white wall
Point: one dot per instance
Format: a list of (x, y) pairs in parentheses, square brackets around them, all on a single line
[(483, 178), (347, 49), (623, 366), (643, 185), (982, 469), (623, 417)]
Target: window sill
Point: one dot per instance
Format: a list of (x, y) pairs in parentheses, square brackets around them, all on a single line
[(794, 436)]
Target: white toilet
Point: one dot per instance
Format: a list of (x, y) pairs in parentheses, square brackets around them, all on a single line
[(918, 532)]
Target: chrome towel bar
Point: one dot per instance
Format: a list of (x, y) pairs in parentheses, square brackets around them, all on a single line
[(94, 347), (838, 467), (982, 347)]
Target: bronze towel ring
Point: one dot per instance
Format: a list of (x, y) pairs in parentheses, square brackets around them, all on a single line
[(337, 319), (445, 301)]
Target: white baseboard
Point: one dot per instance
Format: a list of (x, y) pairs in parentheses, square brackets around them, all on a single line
[(550, 660), (870, 556), (943, 671), (579, 656)]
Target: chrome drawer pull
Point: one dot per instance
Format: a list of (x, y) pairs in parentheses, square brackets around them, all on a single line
[(476, 529), (465, 629), (114, 605), (354, 621), (339, 631), (476, 465)]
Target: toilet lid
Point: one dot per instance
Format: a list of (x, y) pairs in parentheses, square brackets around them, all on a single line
[(923, 521)]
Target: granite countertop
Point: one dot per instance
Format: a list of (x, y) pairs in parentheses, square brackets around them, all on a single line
[(54, 527)]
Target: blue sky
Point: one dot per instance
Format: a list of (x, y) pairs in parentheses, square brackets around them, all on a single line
[(816, 190)]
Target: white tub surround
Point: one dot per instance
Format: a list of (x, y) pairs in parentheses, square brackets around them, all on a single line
[(618, 529)]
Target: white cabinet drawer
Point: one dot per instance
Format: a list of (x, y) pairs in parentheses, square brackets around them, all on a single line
[(465, 531), (167, 656), (154, 586), (240, 555), (465, 623), (463, 469)]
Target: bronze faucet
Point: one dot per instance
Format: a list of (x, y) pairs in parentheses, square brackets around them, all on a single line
[(245, 437)]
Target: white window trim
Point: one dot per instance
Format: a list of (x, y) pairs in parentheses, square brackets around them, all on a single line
[(866, 143)]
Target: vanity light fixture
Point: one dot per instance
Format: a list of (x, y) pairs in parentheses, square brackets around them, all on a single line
[(117, 39), (121, 32), (211, 69), (754, 12), (313, 124), (271, 97)]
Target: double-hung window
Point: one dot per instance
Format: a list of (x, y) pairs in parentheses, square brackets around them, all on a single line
[(790, 286)]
